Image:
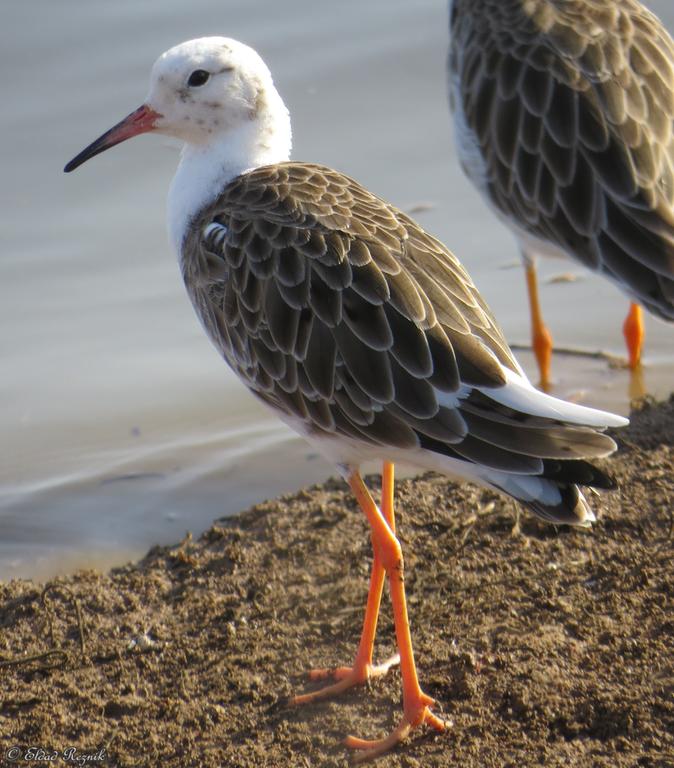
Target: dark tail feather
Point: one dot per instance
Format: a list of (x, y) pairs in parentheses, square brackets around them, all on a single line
[(578, 472), (572, 508), (555, 495)]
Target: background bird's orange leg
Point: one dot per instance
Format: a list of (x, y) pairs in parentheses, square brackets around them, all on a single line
[(633, 331), (362, 669), (416, 704), (541, 339)]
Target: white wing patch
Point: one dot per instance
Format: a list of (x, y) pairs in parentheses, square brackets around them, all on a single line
[(521, 395), (214, 235)]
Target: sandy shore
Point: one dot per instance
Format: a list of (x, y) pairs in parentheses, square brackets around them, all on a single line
[(543, 645)]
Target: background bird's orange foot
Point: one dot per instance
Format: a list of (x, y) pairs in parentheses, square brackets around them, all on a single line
[(415, 714), (542, 346), (633, 331), (345, 677)]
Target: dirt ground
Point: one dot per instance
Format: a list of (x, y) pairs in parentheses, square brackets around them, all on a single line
[(544, 646)]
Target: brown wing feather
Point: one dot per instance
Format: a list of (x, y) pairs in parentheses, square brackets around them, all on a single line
[(365, 270), (340, 311), (571, 107)]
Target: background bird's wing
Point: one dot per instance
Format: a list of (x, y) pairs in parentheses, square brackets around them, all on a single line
[(572, 109)]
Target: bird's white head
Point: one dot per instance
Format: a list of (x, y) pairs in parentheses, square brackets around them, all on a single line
[(207, 92), (218, 97), (206, 88)]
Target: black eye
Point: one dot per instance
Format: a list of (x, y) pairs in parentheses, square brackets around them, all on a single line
[(198, 77)]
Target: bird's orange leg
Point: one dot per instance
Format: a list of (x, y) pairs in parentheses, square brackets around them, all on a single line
[(633, 331), (362, 669), (541, 339), (416, 704)]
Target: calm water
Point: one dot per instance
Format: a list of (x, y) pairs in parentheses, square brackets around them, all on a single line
[(120, 425)]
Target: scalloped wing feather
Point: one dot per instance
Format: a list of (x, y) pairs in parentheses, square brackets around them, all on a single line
[(343, 314), (565, 114)]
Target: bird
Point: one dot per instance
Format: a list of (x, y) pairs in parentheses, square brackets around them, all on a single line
[(360, 330), (563, 120)]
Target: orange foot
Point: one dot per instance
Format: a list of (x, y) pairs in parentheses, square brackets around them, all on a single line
[(541, 340), (633, 331), (542, 344), (415, 713), (346, 677)]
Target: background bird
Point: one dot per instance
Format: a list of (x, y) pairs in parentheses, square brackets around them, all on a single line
[(359, 329), (563, 119)]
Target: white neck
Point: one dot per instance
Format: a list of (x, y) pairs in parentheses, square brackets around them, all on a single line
[(204, 170)]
